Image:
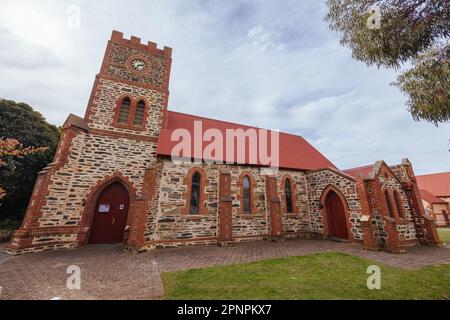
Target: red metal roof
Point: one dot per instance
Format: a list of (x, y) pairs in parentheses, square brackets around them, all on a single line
[(295, 152), (438, 184), (430, 198), (364, 171)]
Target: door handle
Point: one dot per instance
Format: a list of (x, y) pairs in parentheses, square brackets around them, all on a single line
[(113, 221)]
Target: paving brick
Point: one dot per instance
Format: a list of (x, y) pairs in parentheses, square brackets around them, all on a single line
[(107, 272)]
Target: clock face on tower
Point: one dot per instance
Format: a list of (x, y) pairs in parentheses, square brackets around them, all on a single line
[(139, 65)]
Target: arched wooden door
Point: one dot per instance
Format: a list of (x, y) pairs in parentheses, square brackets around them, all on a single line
[(110, 216), (336, 216)]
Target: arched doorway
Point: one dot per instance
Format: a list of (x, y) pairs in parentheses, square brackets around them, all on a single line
[(337, 223), (110, 215)]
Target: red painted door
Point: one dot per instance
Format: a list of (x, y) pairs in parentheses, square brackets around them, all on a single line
[(111, 214), (336, 216)]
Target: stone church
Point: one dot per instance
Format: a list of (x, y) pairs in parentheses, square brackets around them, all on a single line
[(113, 179)]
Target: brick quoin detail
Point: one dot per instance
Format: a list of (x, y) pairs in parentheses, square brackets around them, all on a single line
[(369, 240), (138, 225), (22, 239), (225, 209), (276, 222)]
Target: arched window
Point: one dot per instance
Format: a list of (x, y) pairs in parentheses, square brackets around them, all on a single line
[(195, 194), (124, 111), (139, 114), (399, 204), (288, 194), (388, 200), (246, 195)]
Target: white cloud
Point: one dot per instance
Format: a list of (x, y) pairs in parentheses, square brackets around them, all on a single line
[(267, 63)]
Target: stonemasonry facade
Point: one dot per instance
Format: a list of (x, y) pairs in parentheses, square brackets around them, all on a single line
[(201, 203)]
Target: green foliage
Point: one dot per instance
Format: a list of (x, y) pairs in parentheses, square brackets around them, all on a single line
[(428, 86), (9, 225), (415, 31), (19, 121), (319, 276)]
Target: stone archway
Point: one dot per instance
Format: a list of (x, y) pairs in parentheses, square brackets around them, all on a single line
[(335, 214), (92, 204), (110, 215)]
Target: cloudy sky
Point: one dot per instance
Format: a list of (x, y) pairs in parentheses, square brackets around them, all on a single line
[(272, 64)]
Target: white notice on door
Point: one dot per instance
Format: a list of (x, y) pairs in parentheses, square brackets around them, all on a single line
[(104, 208)]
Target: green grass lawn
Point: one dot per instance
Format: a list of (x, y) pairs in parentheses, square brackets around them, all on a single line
[(444, 234), (318, 276)]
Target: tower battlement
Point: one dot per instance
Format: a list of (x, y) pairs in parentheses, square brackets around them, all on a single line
[(136, 43)]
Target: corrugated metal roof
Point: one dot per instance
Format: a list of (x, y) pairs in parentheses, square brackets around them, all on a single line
[(430, 198), (295, 152), (438, 184)]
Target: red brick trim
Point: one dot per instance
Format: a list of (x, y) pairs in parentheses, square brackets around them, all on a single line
[(95, 192), (123, 135), (400, 208), (203, 210), (41, 189), (388, 201), (225, 208), (135, 43), (149, 86), (254, 236), (138, 224), (400, 218), (18, 249), (326, 222), (131, 115), (48, 231), (369, 239), (240, 195), (386, 171), (295, 209)]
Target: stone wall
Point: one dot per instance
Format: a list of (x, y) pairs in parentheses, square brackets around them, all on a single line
[(298, 221), (93, 158), (121, 54), (318, 181), (107, 95), (172, 226)]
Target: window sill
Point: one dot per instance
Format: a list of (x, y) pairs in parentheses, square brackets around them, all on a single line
[(194, 217), (250, 216), (128, 127), (291, 215), (402, 221)]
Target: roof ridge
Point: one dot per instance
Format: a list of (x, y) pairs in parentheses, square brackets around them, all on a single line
[(362, 167), (433, 174), (235, 123)]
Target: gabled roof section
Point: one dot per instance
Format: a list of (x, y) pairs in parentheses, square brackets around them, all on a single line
[(438, 184), (430, 198), (295, 152), (76, 121), (364, 171)]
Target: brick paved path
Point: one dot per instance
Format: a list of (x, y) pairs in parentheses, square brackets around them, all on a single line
[(110, 273)]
